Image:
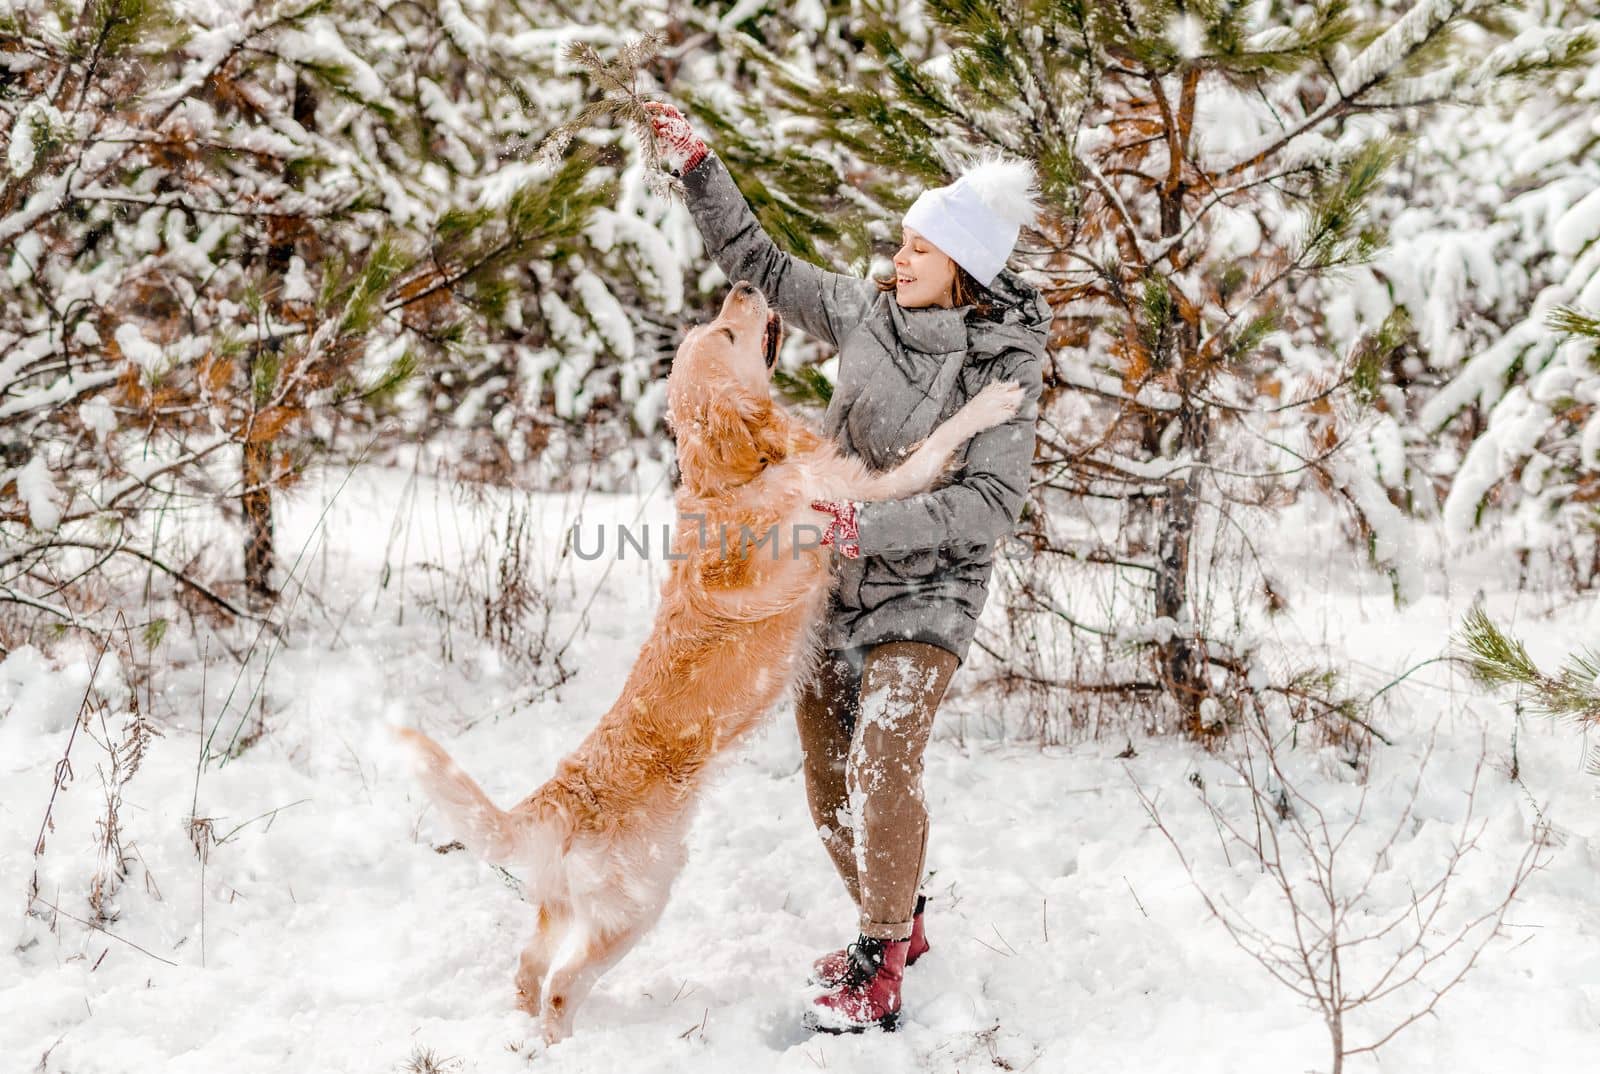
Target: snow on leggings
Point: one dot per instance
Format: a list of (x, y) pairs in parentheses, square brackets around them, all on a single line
[(864, 721)]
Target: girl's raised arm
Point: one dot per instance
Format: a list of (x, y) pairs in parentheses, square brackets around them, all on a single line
[(827, 305)]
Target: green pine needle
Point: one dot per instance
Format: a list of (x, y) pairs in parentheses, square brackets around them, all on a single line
[(1249, 337), (1570, 321), (808, 386), (1497, 659), (384, 264), (1373, 353), (381, 392), (1335, 236), (1157, 308)]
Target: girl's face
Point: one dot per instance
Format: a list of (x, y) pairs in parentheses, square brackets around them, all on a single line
[(924, 275)]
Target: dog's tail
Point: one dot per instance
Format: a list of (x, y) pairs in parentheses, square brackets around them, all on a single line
[(498, 836)]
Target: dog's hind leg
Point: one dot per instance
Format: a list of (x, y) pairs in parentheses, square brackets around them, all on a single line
[(552, 926), (570, 983)]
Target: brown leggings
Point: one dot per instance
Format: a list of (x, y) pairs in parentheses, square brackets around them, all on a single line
[(864, 722)]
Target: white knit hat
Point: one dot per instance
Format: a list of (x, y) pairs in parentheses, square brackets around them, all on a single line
[(977, 218)]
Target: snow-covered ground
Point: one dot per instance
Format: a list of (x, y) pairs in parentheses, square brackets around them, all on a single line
[(323, 932)]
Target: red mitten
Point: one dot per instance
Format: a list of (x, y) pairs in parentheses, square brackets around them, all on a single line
[(681, 149), (842, 536)]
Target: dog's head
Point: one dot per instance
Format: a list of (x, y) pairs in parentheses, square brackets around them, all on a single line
[(719, 395)]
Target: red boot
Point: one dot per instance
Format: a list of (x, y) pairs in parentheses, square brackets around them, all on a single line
[(869, 996), (831, 968)]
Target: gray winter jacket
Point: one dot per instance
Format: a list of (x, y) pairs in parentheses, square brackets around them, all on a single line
[(925, 561)]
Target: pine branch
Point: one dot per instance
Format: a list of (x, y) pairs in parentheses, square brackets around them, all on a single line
[(620, 100), (1334, 236), (1571, 321), (1499, 660), (1372, 354), (1496, 660), (808, 386), (1398, 48), (535, 216), (1278, 50)]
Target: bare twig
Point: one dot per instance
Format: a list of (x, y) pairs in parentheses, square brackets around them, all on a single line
[(101, 928), (1298, 850)]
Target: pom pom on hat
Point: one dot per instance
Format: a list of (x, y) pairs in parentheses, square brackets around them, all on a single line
[(977, 218), (1006, 186)]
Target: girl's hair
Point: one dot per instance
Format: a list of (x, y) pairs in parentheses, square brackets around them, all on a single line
[(967, 292)]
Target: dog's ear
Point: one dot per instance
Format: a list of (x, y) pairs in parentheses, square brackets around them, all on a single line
[(731, 438), (772, 430)]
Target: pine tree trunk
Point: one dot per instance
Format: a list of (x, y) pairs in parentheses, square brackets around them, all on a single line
[(259, 554), (1182, 664), (1180, 667)]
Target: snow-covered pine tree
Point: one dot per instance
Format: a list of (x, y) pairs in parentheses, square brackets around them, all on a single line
[(533, 295), (545, 350), (1203, 163), (121, 242), (1496, 265), (225, 228), (719, 61)]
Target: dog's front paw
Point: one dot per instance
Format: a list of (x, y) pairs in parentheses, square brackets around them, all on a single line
[(996, 403), (555, 1021)]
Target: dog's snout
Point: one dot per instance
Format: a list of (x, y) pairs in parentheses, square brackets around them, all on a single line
[(744, 301)]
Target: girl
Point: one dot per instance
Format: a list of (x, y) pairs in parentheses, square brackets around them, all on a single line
[(913, 574)]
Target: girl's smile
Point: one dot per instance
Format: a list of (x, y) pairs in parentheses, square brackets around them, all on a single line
[(924, 275)]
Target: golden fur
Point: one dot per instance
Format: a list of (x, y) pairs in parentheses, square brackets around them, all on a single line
[(600, 843)]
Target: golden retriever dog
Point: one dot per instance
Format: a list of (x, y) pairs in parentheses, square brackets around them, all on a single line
[(600, 843)]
